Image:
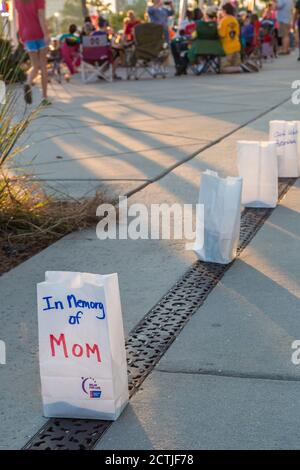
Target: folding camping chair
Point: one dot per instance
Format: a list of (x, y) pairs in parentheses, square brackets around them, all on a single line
[(96, 58), (150, 52), (207, 46)]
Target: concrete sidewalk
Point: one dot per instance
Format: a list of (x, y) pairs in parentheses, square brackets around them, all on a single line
[(117, 137), (228, 380)]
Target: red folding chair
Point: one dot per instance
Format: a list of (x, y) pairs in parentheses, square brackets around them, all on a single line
[(96, 58)]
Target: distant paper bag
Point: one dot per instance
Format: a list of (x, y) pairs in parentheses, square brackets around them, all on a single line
[(221, 198), (81, 346), (286, 134), (257, 164)]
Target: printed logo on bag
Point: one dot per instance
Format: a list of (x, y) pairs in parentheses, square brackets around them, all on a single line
[(90, 387)]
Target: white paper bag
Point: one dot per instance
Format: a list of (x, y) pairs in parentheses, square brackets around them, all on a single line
[(286, 135), (257, 165), (221, 198), (81, 346)]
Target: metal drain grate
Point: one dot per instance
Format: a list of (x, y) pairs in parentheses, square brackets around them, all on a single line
[(153, 335)]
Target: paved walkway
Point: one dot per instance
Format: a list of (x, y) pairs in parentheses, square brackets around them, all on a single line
[(228, 380), (117, 137)]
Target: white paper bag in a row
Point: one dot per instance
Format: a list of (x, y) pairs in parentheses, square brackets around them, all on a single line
[(81, 346), (257, 165), (221, 198), (286, 134)]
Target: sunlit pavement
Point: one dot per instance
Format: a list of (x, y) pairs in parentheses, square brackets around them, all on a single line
[(228, 380), (115, 137)]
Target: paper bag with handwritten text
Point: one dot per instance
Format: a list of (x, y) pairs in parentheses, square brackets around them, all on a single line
[(286, 134), (81, 346)]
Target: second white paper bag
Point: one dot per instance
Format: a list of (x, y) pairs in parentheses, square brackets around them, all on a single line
[(221, 198), (257, 165), (81, 346)]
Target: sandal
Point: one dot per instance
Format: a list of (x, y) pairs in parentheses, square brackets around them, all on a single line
[(45, 102), (27, 94)]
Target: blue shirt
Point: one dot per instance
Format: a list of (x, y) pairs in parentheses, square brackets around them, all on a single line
[(284, 11), (159, 15)]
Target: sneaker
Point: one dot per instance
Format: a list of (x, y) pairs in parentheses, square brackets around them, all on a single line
[(45, 102), (180, 71), (245, 68), (252, 66), (200, 68), (27, 94)]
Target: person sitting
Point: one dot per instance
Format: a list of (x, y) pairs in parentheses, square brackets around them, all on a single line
[(250, 38), (268, 39), (88, 27), (206, 48), (198, 14), (229, 33), (247, 34), (179, 45), (186, 22), (104, 29), (69, 48)]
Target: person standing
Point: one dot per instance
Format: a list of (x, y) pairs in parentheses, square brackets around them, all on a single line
[(284, 10), (130, 24), (296, 21), (33, 32), (159, 13)]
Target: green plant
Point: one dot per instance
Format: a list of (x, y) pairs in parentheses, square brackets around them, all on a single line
[(11, 69), (116, 20), (139, 7), (29, 219)]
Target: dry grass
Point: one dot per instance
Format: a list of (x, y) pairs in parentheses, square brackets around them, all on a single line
[(30, 221)]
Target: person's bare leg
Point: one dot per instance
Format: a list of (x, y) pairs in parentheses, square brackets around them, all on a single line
[(33, 72), (44, 71), (232, 69), (286, 44), (115, 65), (35, 67)]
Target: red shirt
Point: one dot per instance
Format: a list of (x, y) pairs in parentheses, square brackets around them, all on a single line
[(129, 29), (190, 28), (29, 24)]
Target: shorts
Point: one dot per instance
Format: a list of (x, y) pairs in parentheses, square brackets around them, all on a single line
[(284, 29), (35, 45), (231, 60)]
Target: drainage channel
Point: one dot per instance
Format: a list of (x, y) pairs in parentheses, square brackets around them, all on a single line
[(152, 337)]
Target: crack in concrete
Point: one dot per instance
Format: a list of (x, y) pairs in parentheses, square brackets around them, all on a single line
[(230, 374), (206, 147)]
